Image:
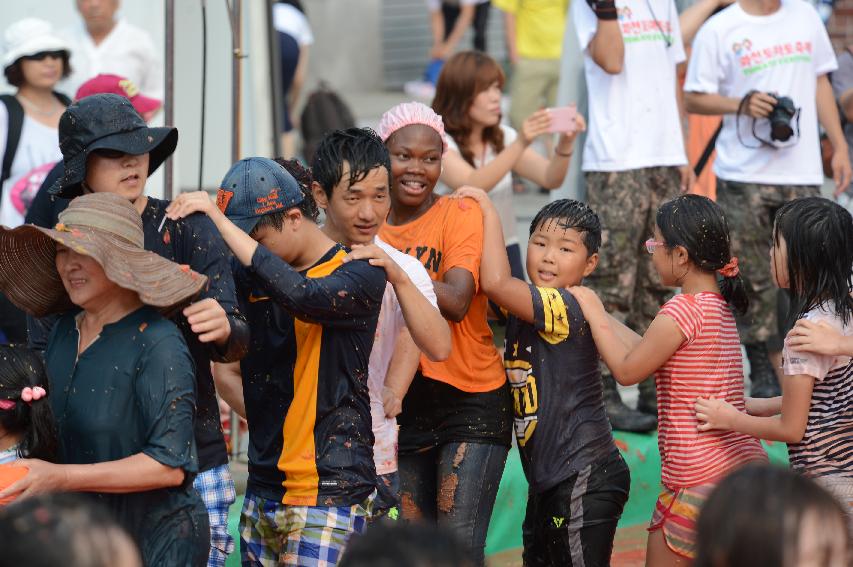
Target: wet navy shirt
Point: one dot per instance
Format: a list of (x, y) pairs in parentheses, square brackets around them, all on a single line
[(558, 398), (131, 391), (305, 377), (196, 242)]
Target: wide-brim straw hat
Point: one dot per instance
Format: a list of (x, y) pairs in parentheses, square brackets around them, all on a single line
[(105, 227)]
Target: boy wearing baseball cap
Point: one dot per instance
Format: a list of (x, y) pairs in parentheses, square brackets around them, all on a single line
[(313, 318)]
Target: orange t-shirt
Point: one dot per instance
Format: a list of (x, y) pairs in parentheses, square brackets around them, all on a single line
[(450, 235)]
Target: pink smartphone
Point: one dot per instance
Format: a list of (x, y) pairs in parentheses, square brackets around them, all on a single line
[(563, 118)]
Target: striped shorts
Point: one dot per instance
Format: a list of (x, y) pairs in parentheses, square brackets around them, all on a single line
[(272, 533), (676, 512)]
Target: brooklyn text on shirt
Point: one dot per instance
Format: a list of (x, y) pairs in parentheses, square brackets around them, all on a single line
[(753, 58), (427, 255), (634, 31)]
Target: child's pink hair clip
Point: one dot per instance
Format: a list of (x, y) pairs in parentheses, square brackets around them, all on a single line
[(30, 395)]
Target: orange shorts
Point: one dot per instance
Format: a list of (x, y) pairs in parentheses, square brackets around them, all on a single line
[(676, 512)]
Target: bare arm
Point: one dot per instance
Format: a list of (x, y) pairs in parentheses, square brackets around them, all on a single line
[(428, 328), (463, 22), (827, 113), (299, 78), (401, 371), (550, 173), (241, 244), (629, 364), (456, 172), (229, 385), (455, 293), (137, 473), (436, 24), (788, 427), (495, 277), (710, 104), (819, 338), (607, 48), (693, 17)]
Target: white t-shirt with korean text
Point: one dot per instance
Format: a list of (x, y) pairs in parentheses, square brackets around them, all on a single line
[(783, 53), (633, 116), (390, 324)]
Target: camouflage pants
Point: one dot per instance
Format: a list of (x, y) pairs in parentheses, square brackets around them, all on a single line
[(750, 209), (626, 203)]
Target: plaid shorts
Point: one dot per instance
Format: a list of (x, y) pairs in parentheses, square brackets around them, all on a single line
[(272, 533), (216, 488), (676, 512)]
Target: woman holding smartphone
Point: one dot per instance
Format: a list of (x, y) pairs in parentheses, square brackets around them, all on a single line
[(483, 152)]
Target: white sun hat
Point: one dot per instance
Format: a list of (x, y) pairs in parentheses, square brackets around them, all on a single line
[(28, 37)]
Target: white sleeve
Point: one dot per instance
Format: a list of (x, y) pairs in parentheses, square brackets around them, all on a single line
[(586, 22), (678, 54), (433, 5), (306, 36), (705, 70), (823, 54)]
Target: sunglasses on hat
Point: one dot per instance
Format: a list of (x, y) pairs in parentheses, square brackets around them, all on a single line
[(42, 55)]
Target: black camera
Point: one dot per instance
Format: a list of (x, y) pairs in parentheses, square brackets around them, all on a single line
[(780, 118)]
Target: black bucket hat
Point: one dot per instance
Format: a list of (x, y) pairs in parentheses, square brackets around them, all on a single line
[(106, 121)]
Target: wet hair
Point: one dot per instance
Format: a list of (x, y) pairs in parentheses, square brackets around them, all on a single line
[(15, 74), (462, 78), (698, 224), (60, 529), (361, 148), (568, 213), (391, 544), (754, 517), (22, 368), (818, 234), (303, 178)]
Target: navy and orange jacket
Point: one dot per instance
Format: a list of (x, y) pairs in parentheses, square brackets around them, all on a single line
[(305, 377)]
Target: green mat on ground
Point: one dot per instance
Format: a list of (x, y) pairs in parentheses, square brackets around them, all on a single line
[(640, 452)]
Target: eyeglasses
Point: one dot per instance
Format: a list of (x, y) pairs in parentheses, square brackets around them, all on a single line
[(651, 244), (42, 55)]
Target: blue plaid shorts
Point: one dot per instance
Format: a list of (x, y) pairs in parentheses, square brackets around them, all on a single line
[(216, 488), (272, 533)]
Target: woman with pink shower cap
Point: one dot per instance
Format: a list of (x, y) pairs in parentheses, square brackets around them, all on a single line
[(455, 428)]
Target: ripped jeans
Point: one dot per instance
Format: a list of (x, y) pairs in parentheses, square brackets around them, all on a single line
[(455, 486)]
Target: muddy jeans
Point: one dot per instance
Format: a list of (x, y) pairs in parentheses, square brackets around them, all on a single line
[(454, 485)]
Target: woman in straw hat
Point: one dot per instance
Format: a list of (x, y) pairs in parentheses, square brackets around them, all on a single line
[(122, 385)]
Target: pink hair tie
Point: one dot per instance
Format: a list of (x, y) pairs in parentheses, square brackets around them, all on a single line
[(7, 404), (30, 395)]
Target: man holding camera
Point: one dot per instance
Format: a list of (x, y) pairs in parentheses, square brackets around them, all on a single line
[(633, 160), (763, 65)]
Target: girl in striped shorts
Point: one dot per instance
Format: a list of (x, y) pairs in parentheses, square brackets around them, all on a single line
[(811, 255), (692, 348)]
